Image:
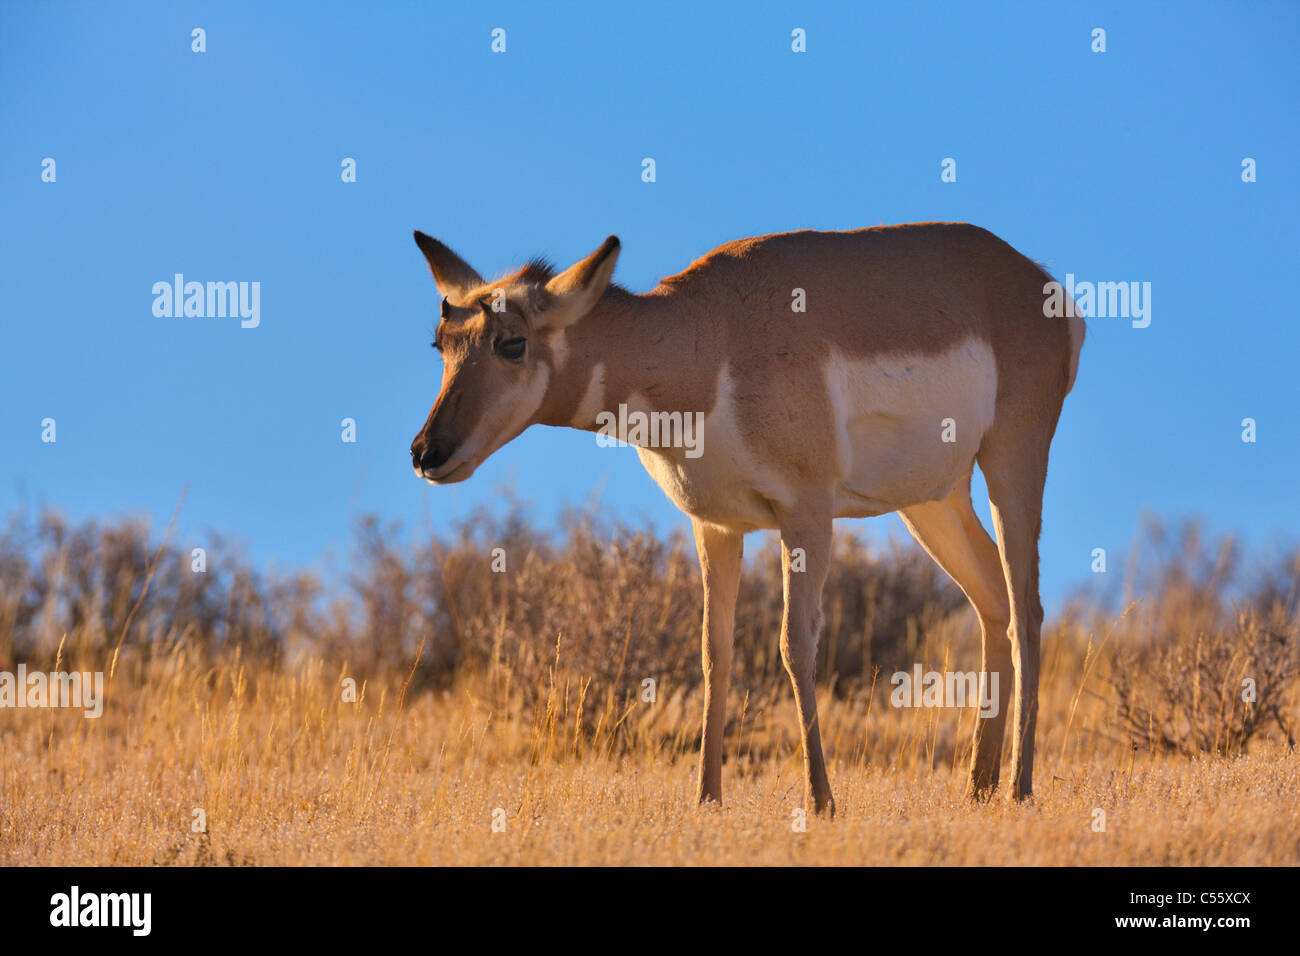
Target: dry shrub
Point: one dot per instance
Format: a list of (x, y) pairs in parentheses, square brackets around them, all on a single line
[(567, 635), (614, 604), (1211, 693), (80, 586), (1205, 667)]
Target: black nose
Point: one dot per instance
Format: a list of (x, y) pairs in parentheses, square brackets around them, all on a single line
[(431, 455)]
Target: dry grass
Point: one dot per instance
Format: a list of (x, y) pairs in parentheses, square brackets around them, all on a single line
[(537, 723), (286, 773)]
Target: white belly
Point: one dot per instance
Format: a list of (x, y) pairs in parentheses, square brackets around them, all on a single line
[(904, 429), (907, 428)]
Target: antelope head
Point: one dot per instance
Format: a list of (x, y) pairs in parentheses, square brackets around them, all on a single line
[(500, 342)]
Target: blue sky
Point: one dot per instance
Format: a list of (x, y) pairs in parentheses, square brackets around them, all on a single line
[(225, 165)]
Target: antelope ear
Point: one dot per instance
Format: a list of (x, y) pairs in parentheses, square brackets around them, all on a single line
[(453, 274), (575, 290)]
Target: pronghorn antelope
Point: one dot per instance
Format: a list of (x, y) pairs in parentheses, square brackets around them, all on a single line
[(922, 350)]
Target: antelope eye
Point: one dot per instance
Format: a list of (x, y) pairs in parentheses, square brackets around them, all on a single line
[(512, 349)]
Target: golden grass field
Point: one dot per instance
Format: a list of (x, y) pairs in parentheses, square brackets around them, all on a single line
[(534, 760), (288, 774)]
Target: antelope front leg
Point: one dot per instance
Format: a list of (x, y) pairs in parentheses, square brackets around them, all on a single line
[(805, 559), (720, 554)]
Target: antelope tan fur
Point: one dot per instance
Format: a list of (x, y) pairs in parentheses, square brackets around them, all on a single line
[(923, 350)]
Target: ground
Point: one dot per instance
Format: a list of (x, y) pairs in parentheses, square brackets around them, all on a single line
[(224, 765)]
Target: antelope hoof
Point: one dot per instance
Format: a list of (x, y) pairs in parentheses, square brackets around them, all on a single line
[(980, 790), (824, 807)]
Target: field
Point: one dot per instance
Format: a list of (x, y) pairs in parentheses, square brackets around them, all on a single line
[(497, 720)]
